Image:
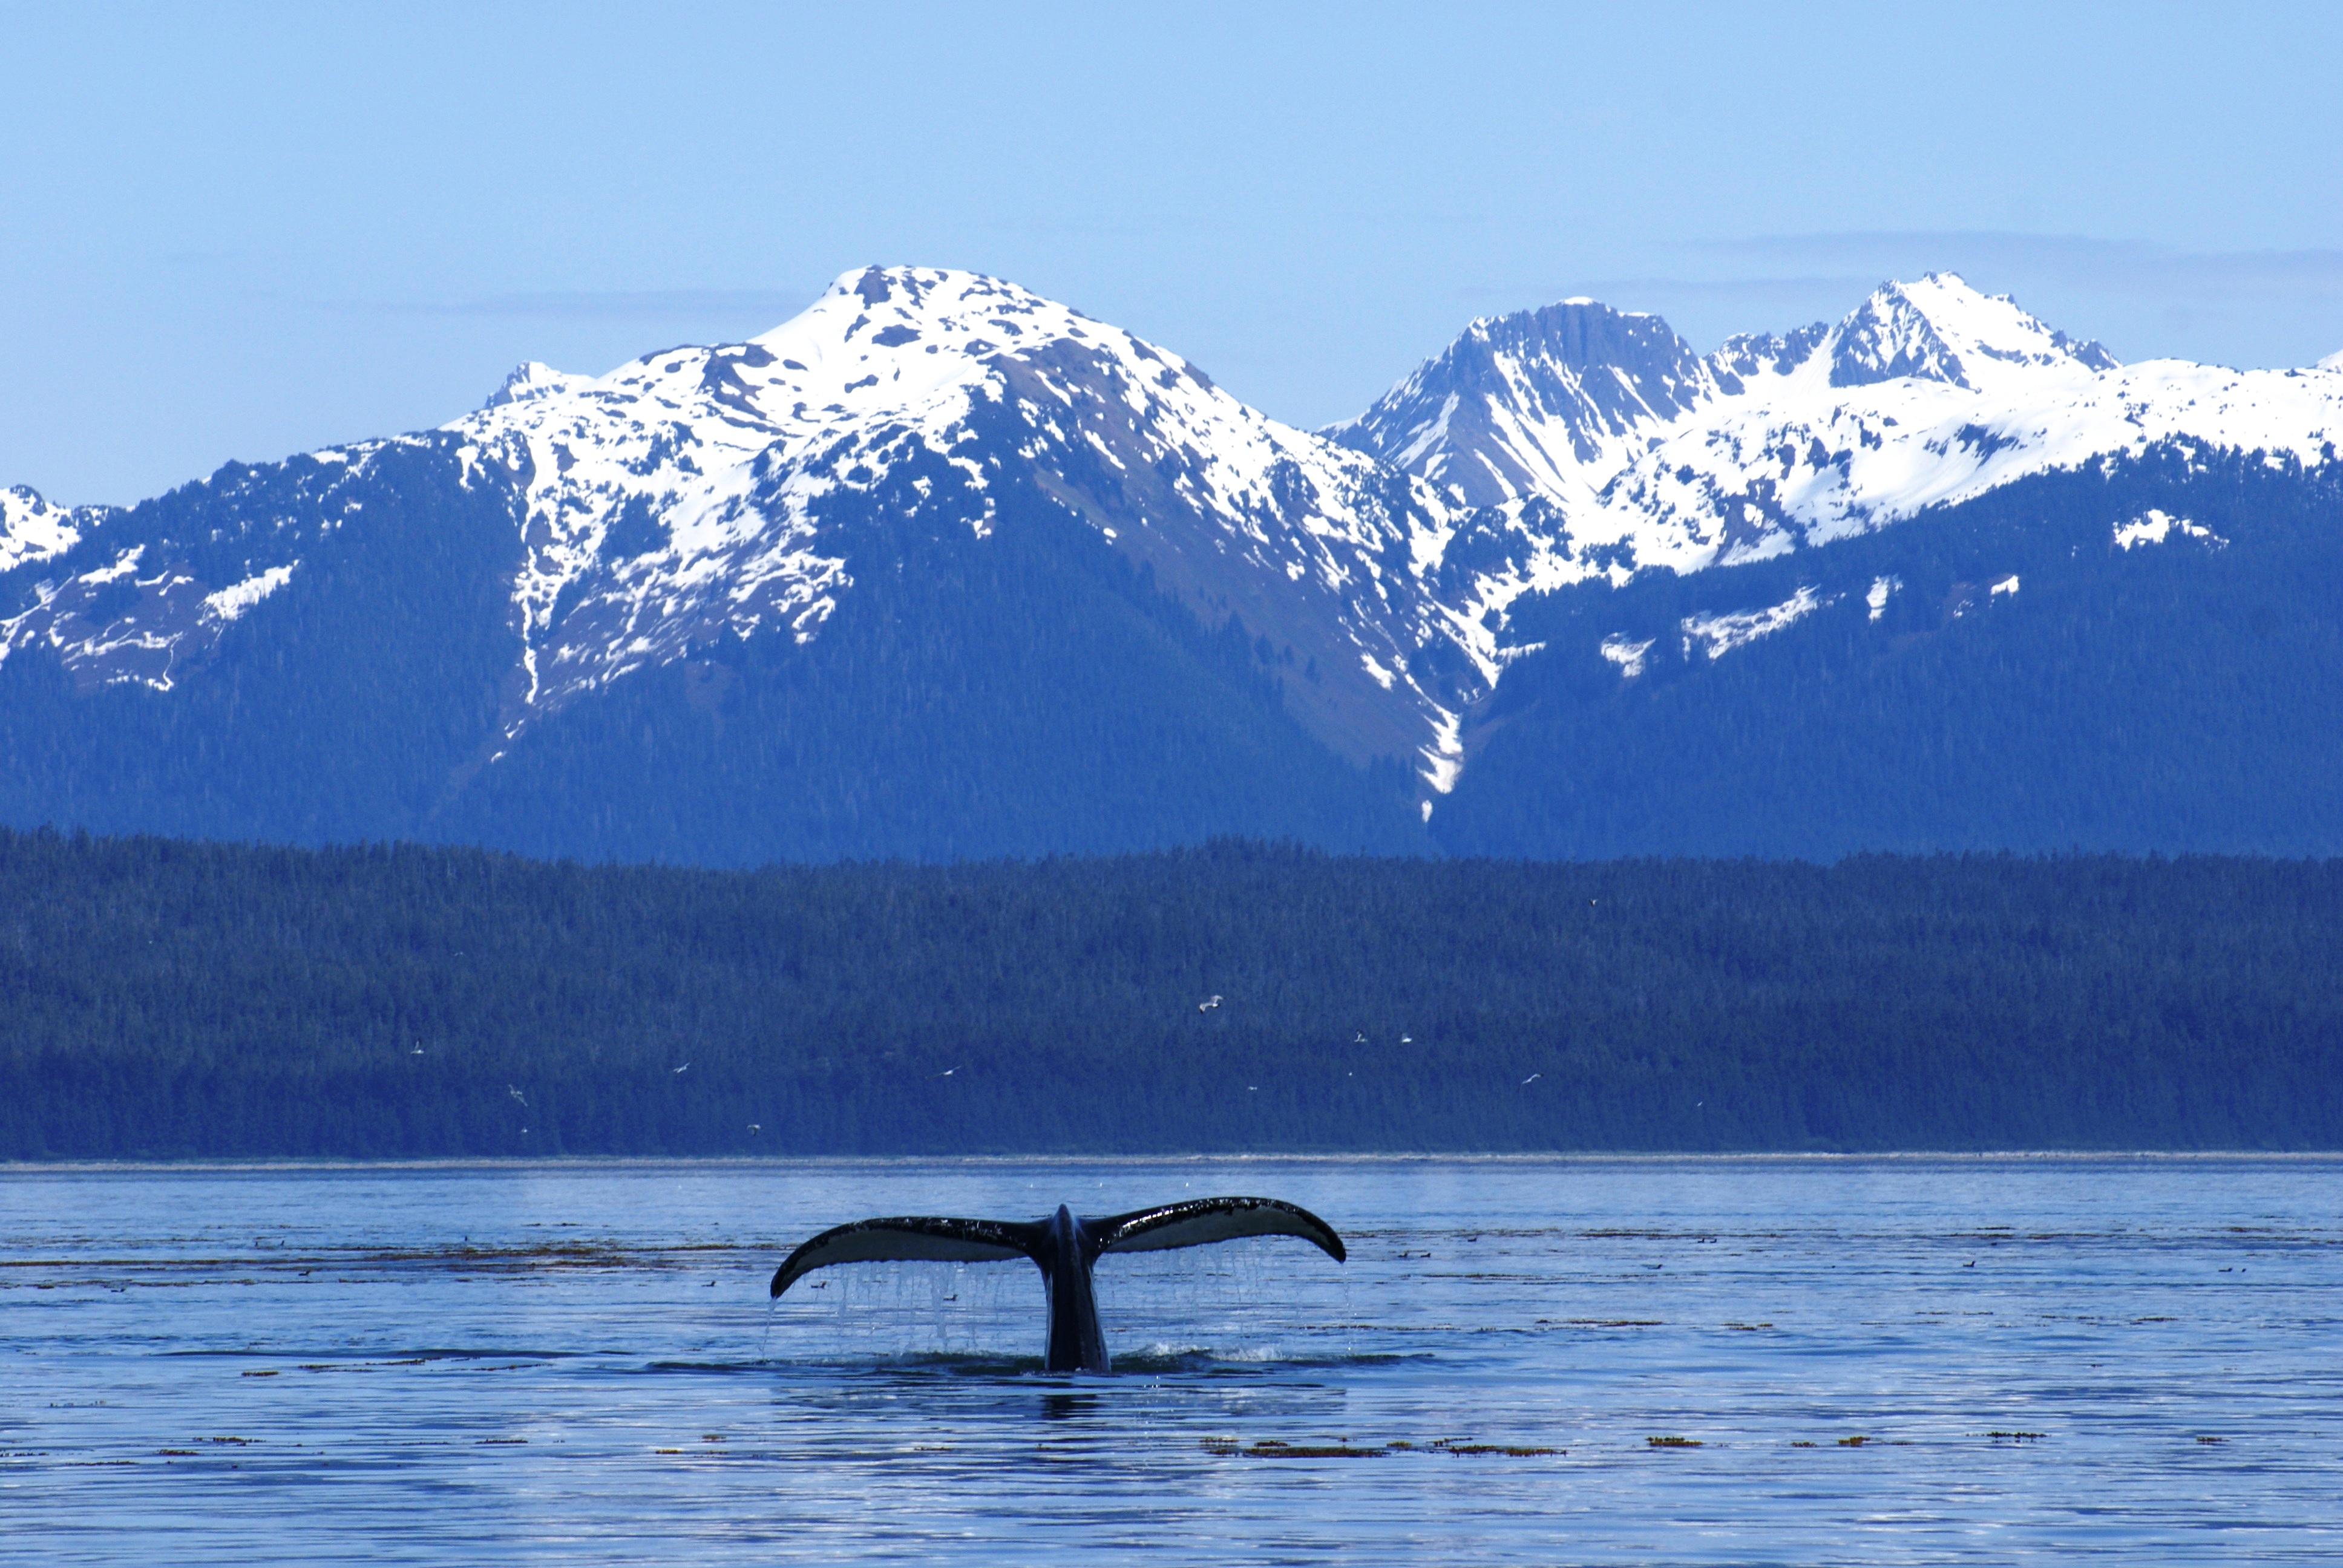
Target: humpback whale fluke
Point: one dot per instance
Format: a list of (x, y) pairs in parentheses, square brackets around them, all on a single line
[(1063, 1247)]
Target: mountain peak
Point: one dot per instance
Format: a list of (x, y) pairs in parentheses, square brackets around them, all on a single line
[(33, 529), (1939, 328), (530, 380), (1518, 402)]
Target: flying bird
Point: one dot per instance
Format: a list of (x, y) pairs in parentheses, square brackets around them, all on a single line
[(518, 1095), (1360, 1038), (756, 1127), (1532, 1077), (685, 1068), (1210, 1005), (947, 1071)]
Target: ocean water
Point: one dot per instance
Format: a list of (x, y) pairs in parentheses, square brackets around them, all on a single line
[(2004, 1361)]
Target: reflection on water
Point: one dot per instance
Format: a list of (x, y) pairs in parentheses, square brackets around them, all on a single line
[(1536, 1361)]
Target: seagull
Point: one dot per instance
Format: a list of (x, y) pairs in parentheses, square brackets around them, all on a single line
[(1532, 1077), (685, 1068), (1360, 1038), (416, 1051), (1407, 1040), (1208, 1006), (517, 1094), (756, 1127), (947, 1071)]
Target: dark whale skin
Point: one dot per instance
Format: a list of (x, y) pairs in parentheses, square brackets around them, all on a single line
[(1065, 1248)]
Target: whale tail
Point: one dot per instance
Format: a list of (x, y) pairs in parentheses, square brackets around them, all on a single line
[(1063, 1247)]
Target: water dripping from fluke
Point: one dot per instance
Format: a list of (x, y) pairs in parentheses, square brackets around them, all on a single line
[(1065, 1248)]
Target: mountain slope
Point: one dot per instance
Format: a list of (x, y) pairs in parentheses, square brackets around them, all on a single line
[(941, 567), (2143, 656), (692, 491), (1209, 624)]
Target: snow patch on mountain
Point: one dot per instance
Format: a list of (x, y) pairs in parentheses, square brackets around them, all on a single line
[(1628, 653), (33, 530), (1718, 635), (230, 603), (2154, 527)]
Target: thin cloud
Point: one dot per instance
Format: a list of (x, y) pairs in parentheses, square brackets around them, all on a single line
[(606, 305), (1623, 292), (2114, 266)]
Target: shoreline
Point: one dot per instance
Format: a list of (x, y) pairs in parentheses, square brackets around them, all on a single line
[(570, 1162)]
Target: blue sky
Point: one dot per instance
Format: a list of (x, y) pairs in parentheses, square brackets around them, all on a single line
[(242, 231)]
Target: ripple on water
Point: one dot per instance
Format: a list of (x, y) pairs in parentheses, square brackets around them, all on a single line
[(1593, 1360)]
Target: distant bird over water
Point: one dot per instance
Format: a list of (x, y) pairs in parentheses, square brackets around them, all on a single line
[(1208, 1003)]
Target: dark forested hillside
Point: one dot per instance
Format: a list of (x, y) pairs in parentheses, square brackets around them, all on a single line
[(165, 999), (1030, 693), (2001, 675)]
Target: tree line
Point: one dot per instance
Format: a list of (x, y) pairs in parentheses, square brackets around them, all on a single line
[(163, 997)]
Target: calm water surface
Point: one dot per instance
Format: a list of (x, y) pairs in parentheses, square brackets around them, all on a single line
[(2044, 1361)]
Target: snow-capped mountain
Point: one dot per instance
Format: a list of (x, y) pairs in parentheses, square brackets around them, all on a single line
[(1927, 393), (944, 567), (692, 492), (701, 491), (1534, 403)]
